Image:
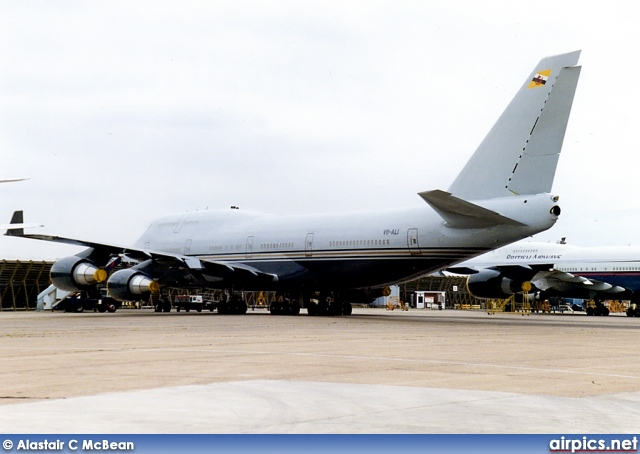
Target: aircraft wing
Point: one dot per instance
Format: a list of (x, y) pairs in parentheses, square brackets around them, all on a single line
[(508, 271), (490, 282), (562, 281), (548, 278), (179, 269)]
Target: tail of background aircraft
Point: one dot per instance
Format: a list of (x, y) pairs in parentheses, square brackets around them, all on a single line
[(520, 154), (16, 226)]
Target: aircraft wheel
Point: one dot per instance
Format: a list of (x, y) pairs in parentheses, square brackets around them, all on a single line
[(333, 308)]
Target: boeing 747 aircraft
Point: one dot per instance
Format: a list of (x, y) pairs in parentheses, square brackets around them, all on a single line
[(547, 270), (322, 261)]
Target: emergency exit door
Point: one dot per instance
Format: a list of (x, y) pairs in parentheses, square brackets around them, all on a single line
[(308, 245)]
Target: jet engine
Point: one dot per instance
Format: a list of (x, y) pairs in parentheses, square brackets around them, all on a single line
[(130, 285), (492, 284), (76, 273)]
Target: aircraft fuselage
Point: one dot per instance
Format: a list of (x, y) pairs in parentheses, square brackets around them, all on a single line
[(343, 250)]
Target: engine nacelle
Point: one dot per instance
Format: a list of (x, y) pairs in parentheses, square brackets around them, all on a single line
[(130, 285), (492, 284), (76, 273)]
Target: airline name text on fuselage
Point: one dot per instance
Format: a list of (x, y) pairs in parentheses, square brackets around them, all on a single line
[(534, 257)]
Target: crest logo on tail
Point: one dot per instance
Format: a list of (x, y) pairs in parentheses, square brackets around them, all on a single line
[(540, 79)]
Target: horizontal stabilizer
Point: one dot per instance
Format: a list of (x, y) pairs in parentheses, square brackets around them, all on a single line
[(461, 214)]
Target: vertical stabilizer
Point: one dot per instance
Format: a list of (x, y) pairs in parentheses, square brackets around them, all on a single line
[(520, 154)]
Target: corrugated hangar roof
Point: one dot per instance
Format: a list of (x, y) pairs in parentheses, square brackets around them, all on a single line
[(21, 281)]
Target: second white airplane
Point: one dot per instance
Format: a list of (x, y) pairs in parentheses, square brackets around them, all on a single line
[(548, 269), (323, 261)]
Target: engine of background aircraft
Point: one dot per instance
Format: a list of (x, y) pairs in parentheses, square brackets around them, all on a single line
[(492, 284)]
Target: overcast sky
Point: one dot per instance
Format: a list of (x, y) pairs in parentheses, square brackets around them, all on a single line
[(119, 112)]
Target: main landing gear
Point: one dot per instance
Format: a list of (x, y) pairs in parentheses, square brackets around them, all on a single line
[(325, 304), (232, 305), (597, 309), (284, 306), (328, 305), (162, 306)]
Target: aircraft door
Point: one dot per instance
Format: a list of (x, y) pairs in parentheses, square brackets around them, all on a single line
[(249, 249), (308, 245), (412, 241), (187, 247), (180, 224)]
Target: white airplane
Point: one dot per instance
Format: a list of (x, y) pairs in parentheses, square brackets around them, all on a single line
[(320, 261), (556, 269)]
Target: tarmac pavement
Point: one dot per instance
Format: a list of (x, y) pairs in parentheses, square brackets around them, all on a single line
[(376, 371)]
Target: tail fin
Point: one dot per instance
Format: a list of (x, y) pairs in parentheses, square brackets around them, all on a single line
[(520, 153)]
